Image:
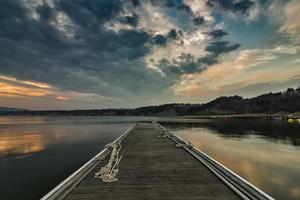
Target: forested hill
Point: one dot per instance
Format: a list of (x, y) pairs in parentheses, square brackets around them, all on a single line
[(7, 109), (280, 102)]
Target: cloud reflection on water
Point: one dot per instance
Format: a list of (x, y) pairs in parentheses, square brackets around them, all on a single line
[(270, 165), (18, 145)]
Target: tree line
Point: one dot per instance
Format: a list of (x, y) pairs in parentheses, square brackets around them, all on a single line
[(287, 101)]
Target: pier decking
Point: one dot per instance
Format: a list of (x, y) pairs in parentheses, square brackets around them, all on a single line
[(152, 167)]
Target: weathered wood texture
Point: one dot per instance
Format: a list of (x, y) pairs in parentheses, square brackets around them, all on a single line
[(154, 168)]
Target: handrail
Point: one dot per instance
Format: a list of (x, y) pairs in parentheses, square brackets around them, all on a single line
[(67, 185), (240, 186)]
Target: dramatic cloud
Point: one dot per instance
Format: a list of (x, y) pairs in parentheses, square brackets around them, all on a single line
[(36, 50), (291, 22), (234, 74), (131, 20), (232, 5), (218, 33), (220, 47), (116, 53)]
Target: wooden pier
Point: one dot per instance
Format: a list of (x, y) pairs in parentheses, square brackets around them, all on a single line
[(153, 167)]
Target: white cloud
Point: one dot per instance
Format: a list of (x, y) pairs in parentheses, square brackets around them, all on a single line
[(236, 72), (296, 61), (201, 9), (158, 19), (61, 21), (291, 23)]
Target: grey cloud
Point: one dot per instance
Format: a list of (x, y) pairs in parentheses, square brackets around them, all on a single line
[(90, 13), (178, 4), (198, 20), (135, 3), (221, 47), (95, 60), (218, 33), (239, 6), (182, 7), (131, 20), (159, 40), (16, 24), (186, 64), (163, 39), (209, 59), (173, 34)]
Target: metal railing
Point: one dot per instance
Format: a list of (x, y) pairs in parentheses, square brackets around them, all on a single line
[(240, 186), (66, 186)]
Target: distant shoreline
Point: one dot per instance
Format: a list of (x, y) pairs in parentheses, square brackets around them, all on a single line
[(280, 104), (248, 115)]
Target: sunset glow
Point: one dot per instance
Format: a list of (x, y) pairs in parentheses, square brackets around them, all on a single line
[(145, 52)]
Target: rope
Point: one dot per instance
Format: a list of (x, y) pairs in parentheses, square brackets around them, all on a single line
[(109, 172), (187, 145), (164, 134), (99, 158)]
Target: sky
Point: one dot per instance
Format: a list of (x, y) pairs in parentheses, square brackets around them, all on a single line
[(94, 54)]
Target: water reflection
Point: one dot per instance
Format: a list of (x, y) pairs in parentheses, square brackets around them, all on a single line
[(266, 153), (19, 145), (21, 136), (22, 120), (237, 128), (37, 153)]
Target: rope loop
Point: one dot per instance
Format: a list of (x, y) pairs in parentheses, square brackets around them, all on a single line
[(109, 172)]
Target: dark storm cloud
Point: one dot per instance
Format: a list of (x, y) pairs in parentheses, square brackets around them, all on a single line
[(186, 64), (198, 20), (180, 6), (87, 57), (159, 40), (221, 47), (189, 64), (218, 33), (241, 6), (163, 39), (45, 12), (209, 59), (17, 25), (90, 13), (136, 3), (130, 20), (173, 34), (94, 60)]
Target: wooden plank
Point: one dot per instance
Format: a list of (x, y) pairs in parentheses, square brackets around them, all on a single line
[(239, 185), (154, 168), (66, 186)]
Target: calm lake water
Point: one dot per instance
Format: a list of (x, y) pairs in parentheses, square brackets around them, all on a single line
[(264, 152), (37, 153)]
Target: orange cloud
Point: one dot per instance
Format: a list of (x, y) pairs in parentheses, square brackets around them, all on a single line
[(6, 88), (27, 82), (62, 98), (234, 74), (12, 87)]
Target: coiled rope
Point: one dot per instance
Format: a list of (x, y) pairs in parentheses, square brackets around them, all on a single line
[(109, 172)]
